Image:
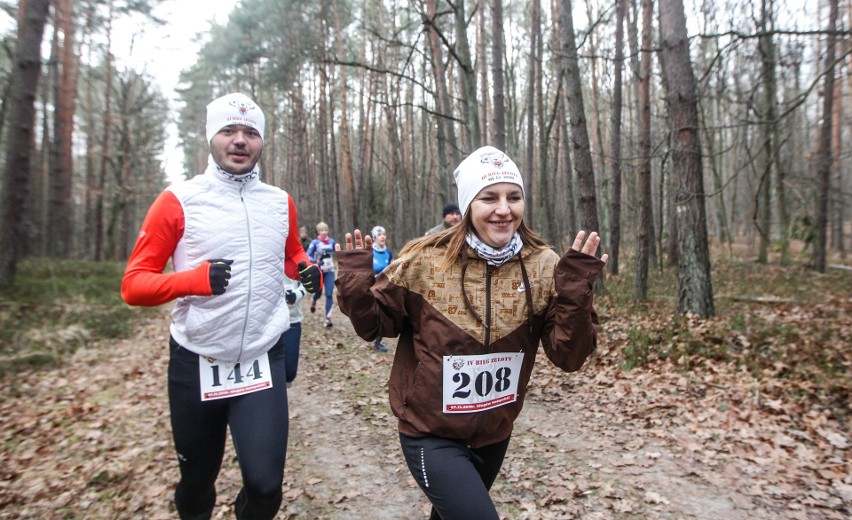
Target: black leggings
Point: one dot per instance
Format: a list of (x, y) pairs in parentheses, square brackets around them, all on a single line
[(455, 478), (258, 423)]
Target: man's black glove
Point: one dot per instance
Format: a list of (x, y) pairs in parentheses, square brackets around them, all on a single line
[(310, 277), (220, 273), (290, 296)]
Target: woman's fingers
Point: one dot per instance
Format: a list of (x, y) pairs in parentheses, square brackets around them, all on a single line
[(356, 241), (578, 241), (590, 245)]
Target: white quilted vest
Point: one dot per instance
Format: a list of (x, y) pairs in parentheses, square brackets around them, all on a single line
[(247, 223)]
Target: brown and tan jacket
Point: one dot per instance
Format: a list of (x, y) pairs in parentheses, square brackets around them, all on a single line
[(426, 308)]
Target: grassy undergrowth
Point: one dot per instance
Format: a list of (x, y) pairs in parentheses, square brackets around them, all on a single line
[(55, 307)]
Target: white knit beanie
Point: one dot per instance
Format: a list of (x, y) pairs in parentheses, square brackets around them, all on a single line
[(233, 109), (482, 168)]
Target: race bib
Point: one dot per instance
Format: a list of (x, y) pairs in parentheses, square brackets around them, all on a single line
[(479, 383), (221, 380), (326, 264)]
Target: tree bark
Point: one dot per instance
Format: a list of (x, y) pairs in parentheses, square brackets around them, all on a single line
[(534, 63), (60, 230), (582, 154), (823, 155), (498, 49), (768, 153), (615, 219), (644, 222), (837, 163), (695, 291), (346, 149), (446, 133), (19, 144), (467, 76), (105, 143)]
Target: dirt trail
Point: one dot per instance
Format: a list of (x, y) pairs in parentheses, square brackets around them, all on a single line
[(91, 439)]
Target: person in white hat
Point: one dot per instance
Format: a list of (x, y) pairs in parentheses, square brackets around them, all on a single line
[(232, 240), (382, 257), (470, 306)]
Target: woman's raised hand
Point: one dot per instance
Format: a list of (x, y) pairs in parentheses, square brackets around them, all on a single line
[(590, 247), (359, 242)]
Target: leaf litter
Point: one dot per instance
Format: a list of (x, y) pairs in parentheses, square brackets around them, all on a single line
[(91, 439)]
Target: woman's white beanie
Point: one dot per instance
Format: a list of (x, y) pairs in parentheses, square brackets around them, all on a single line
[(482, 168), (233, 109)]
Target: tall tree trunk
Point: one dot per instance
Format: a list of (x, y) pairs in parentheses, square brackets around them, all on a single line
[(836, 203), (446, 133), (19, 143), (472, 138), (632, 16), (768, 130), (534, 61), (579, 133), (594, 122), (546, 141), (40, 191), (91, 136), (105, 144), (615, 221), (482, 62), (498, 47), (346, 149), (327, 179), (644, 222), (823, 162), (60, 209), (695, 291), (567, 170)]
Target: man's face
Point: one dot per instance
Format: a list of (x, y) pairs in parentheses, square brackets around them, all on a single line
[(452, 218), (236, 148)]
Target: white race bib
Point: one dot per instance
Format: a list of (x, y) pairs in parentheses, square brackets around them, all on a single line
[(326, 264), (478, 383), (220, 380)]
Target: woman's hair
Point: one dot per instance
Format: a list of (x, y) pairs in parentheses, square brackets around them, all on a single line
[(321, 225), (454, 239)]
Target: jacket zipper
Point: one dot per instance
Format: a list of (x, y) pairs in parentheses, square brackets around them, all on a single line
[(487, 345), (250, 257)]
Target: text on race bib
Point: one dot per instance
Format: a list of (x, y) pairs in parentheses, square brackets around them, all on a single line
[(479, 383), (220, 380)]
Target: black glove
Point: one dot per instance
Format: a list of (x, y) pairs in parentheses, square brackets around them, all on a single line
[(310, 277), (220, 273), (290, 297)]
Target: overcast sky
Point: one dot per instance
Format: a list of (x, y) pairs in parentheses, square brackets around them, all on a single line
[(163, 52)]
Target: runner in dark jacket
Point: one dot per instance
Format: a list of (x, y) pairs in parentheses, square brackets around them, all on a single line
[(470, 306)]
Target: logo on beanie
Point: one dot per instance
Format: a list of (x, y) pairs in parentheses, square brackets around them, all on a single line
[(242, 106), (497, 158)]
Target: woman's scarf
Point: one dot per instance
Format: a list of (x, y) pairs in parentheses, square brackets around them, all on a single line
[(495, 257), (378, 248), (324, 240)]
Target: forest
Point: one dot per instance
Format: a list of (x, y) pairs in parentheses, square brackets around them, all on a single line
[(705, 140), (671, 127)]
